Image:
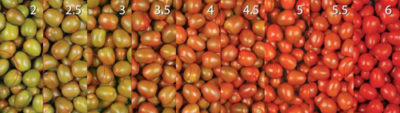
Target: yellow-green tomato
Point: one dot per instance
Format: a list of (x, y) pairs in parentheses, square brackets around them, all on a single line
[(21, 61), (31, 78)]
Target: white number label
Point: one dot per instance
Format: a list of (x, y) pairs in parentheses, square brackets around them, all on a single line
[(78, 10), (344, 8), (388, 10), (246, 10), (159, 11), (122, 10), (299, 8), (33, 12), (253, 11), (211, 9), (69, 10), (336, 11), (166, 8)]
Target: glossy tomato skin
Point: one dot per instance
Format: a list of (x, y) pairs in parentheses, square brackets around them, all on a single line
[(366, 62), (375, 106), (367, 91), (345, 100), (392, 108), (285, 91), (376, 78), (246, 58), (327, 105), (370, 24), (382, 51), (389, 91)]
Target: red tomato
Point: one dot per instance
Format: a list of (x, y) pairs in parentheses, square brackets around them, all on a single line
[(389, 91), (382, 51), (375, 106), (367, 91), (370, 24), (376, 78)]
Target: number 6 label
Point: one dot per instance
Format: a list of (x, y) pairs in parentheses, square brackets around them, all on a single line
[(388, 10)]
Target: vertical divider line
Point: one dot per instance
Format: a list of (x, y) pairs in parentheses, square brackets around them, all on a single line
[(265, 52), (83, 53), (176, 53), (220, 39), (131, 49), (43, 36)]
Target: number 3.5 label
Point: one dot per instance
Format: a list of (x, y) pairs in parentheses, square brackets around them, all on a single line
[(158, 10)]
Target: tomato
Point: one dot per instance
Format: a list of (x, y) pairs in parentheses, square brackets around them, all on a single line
[(333, 88), (320, 23), (327, 105), (389, 18), (210, 92), (285, 91), (274, 33), (247, 90), (296, 78), (287, 61), (376, 78), (366, 62), (250, 74), (394, 38), (370, 24), (389, 91), (345, 100), (331, 60), (367, 91), (191, 93), (286, 17), (375, 106), (292, 34), (287, 4), (382, 51), (246, 58), (332, 41), (273, 70), (269, 93), (320, 72), (392, 108)]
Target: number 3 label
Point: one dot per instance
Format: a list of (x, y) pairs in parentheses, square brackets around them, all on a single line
[(122, 10)]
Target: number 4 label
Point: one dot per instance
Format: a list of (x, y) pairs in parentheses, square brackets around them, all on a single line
[(211, 9)]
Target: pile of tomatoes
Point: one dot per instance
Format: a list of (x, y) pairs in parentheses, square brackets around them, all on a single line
[(288, 56), (377, 40)]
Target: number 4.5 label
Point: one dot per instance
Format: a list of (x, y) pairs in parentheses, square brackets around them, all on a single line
[(253, 11)]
